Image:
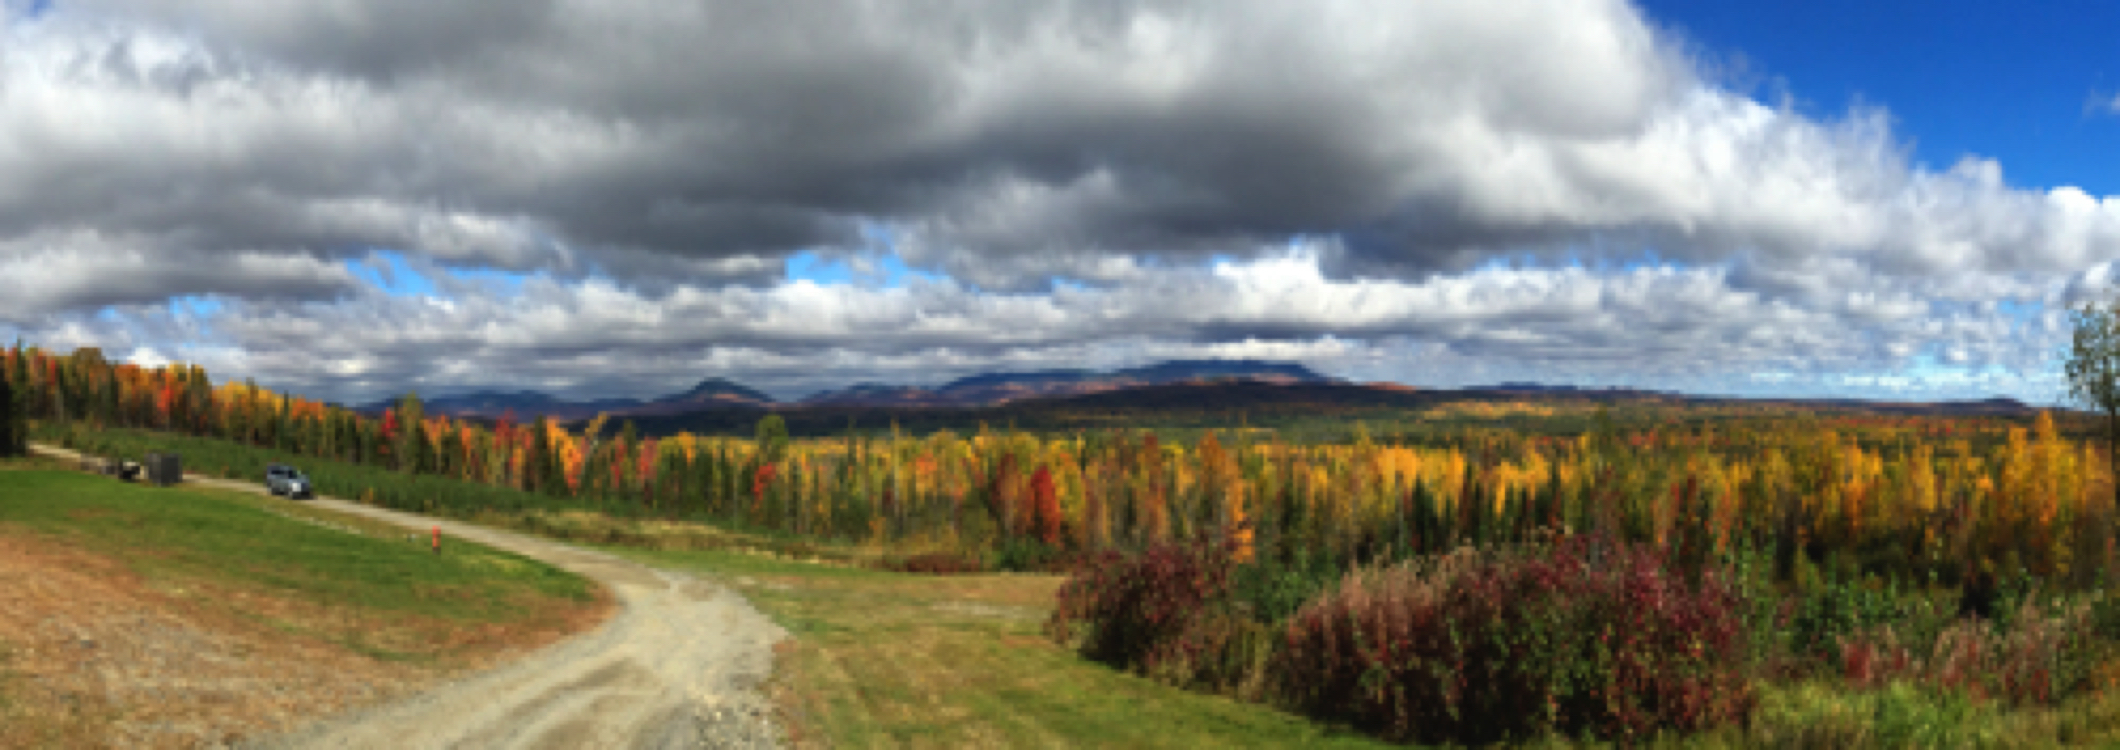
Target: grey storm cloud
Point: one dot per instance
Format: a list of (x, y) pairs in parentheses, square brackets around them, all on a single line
[(1031, 139), (650, 164)]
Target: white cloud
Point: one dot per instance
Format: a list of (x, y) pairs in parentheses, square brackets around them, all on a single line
[(653, 163), (1657, 327)]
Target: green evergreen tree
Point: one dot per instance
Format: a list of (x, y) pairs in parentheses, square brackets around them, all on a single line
[(410, 417), (201, 407), (11, 421), (772, 438), (449, 461), (627, 455), (538, 464)]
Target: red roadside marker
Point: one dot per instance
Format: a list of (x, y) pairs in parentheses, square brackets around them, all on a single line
[(437, 540)]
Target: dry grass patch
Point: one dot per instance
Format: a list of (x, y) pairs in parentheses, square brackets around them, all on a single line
[(100, 657), (136, 617)]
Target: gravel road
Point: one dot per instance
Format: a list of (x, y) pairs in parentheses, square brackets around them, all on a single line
[(678, 666)]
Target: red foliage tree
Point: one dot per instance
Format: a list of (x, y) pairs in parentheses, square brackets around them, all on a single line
[(1046, 504), (390, 429), (760, 480)]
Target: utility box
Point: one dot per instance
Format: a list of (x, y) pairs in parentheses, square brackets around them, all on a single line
[(164, 469)]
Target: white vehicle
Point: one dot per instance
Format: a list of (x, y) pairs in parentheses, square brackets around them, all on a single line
[(287, 481)]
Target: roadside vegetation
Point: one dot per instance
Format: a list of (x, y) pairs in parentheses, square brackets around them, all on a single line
[(139, 616)]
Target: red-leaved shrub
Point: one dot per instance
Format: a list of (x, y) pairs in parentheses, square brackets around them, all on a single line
[(2040, 659), (1138, 610), (1588, 635)]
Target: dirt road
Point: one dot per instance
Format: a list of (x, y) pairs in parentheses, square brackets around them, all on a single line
[(677, 667)]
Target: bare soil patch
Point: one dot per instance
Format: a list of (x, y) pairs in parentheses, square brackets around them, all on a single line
[(96, 656), (110, 646)]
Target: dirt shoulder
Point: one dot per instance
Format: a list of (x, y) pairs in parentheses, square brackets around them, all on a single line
[(678, 665)]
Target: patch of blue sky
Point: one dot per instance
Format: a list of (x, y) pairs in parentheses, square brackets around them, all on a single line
[(880, 269), (2021, 314), (389, 271), (508, 281), (396, 274), (1927, 370), (197, 310), (196, 306), (811, 266), (878, 262), (1598, 256)]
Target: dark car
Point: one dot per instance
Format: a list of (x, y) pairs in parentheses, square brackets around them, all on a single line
[(287, 481)]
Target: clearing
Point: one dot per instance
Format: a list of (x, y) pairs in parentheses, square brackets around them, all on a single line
[(672, 667)]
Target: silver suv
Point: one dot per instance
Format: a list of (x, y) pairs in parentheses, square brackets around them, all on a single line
[(284, 480)]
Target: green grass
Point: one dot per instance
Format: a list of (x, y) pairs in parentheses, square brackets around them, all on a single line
[(885, 659), (230, 541), (229, 460)]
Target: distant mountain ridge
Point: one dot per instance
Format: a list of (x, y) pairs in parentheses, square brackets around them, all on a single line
[(985, 389), (708, 394), (993, 389)]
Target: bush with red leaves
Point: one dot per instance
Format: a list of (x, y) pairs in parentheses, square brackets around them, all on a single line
[(1587, 636), (1143, 610)]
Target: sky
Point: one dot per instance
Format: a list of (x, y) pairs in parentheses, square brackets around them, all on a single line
[(348, 199)]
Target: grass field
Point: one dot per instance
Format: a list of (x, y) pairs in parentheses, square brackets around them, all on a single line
[(169, 616), (894, 660)]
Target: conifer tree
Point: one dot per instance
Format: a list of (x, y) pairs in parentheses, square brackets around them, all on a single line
[(772, 438), (535, 464), (11, 422), (409, 441), (625, 455)]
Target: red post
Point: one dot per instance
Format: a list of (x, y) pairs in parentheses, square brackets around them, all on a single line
[(437, 540)]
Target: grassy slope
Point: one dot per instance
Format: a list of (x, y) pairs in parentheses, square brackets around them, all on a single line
[(884, 659), (250, 566), (241, 540)]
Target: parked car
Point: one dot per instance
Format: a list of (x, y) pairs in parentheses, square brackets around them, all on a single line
[(287, 481)]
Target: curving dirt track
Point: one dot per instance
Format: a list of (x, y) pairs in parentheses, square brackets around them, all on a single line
[(677, 667)]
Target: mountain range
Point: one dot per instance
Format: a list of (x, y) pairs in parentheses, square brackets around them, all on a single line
[(710, 393), (1167, 387), (988, 389)]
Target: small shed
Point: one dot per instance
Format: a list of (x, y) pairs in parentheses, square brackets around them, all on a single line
[(164, 469)]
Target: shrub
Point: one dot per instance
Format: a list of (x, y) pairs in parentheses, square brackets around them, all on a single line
[(1141, 610), (1822, 614), (1271, 590), (2041, 658), (936, 563), (1028, 555), (1585, 636)]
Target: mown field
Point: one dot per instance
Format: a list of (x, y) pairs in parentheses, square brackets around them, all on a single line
[(139, 616), (883, 659)]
